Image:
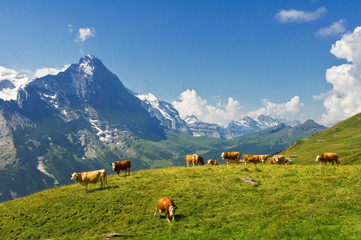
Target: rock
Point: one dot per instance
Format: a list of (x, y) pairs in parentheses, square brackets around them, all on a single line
[(249, 181), (114, 235)]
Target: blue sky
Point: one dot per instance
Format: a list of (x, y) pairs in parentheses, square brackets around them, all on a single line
[(234, 57)]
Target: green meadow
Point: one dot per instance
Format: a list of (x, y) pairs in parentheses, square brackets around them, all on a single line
[(287, 202), (343, 138)]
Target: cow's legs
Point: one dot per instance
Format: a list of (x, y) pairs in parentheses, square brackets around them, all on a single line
[(86, 188)]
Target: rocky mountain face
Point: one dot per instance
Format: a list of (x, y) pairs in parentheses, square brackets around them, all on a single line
[(66, 122)]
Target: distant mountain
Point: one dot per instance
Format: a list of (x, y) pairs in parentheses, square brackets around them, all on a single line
[(164, 112), (170, 119)]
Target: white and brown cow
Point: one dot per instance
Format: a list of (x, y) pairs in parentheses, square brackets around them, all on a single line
[(252, 158), (212, 162), (328, 157), (121, 166), (85, 178), (166, 205), (231, 157), (279, 159), (196, 159)]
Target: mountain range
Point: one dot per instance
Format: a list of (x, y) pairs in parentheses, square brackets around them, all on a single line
[(170, 119), (83, 118)]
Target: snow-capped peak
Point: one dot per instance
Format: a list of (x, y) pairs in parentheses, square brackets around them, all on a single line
[(86, 64), (191, 119), (148, 98), (10, 83)]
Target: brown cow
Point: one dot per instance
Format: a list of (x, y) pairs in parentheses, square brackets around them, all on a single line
[(166, 205), (279, 159), (85, 178), (231, 157), (328, 157), (212, 162), (195, 159), (121, 166), (252, 158), (264, 156)]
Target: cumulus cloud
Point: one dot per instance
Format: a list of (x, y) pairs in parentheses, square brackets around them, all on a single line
[(293, 15), (84, 34), (332, 30), (41, 72), (290, 110), (344, 100), (191, 104)]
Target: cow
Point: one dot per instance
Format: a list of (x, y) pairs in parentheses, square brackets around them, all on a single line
[(279, 159), (166, 205), (195, 159), (121, 166), (85, 178), (252, 158), (272, 160), (231, 157), (328, 157), (264, 156), (212, 162)]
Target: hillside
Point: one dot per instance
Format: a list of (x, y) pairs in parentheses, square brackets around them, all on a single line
[(343, 138), (288, 202)]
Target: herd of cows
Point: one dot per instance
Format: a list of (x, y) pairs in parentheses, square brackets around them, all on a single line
[(166, 204)]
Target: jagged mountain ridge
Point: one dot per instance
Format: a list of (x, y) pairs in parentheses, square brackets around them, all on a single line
[(170, 119)]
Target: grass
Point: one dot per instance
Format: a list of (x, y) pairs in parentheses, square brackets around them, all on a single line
[(288, 202)]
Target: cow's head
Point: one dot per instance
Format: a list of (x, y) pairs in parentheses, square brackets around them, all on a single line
[(172, 210), (276, 159), (209, 161), (113, 165), (74, 176), (222, 155), (317, 158)]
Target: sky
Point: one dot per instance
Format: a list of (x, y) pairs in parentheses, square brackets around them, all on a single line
[(220, 60)]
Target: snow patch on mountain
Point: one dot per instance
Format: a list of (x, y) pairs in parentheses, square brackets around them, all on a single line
[(10, 83), (86, 65)]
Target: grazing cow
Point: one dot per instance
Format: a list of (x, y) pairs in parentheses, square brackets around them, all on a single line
[(121, 166), (328, 157), (195, 159), (252, 158), (279, 159), (272, 160), (166, 205), (212, 162), (264, 156), (85, 178), (231, 157)]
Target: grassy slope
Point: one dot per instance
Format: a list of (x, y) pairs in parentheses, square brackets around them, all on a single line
[(336, 139), (213, 203)]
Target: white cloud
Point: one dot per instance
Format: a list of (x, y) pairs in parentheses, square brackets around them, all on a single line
[(192, 104), (290, 110), (70, 28), (41, 72), (344, 100), (332, 30), (84, 34), (293, 15)]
